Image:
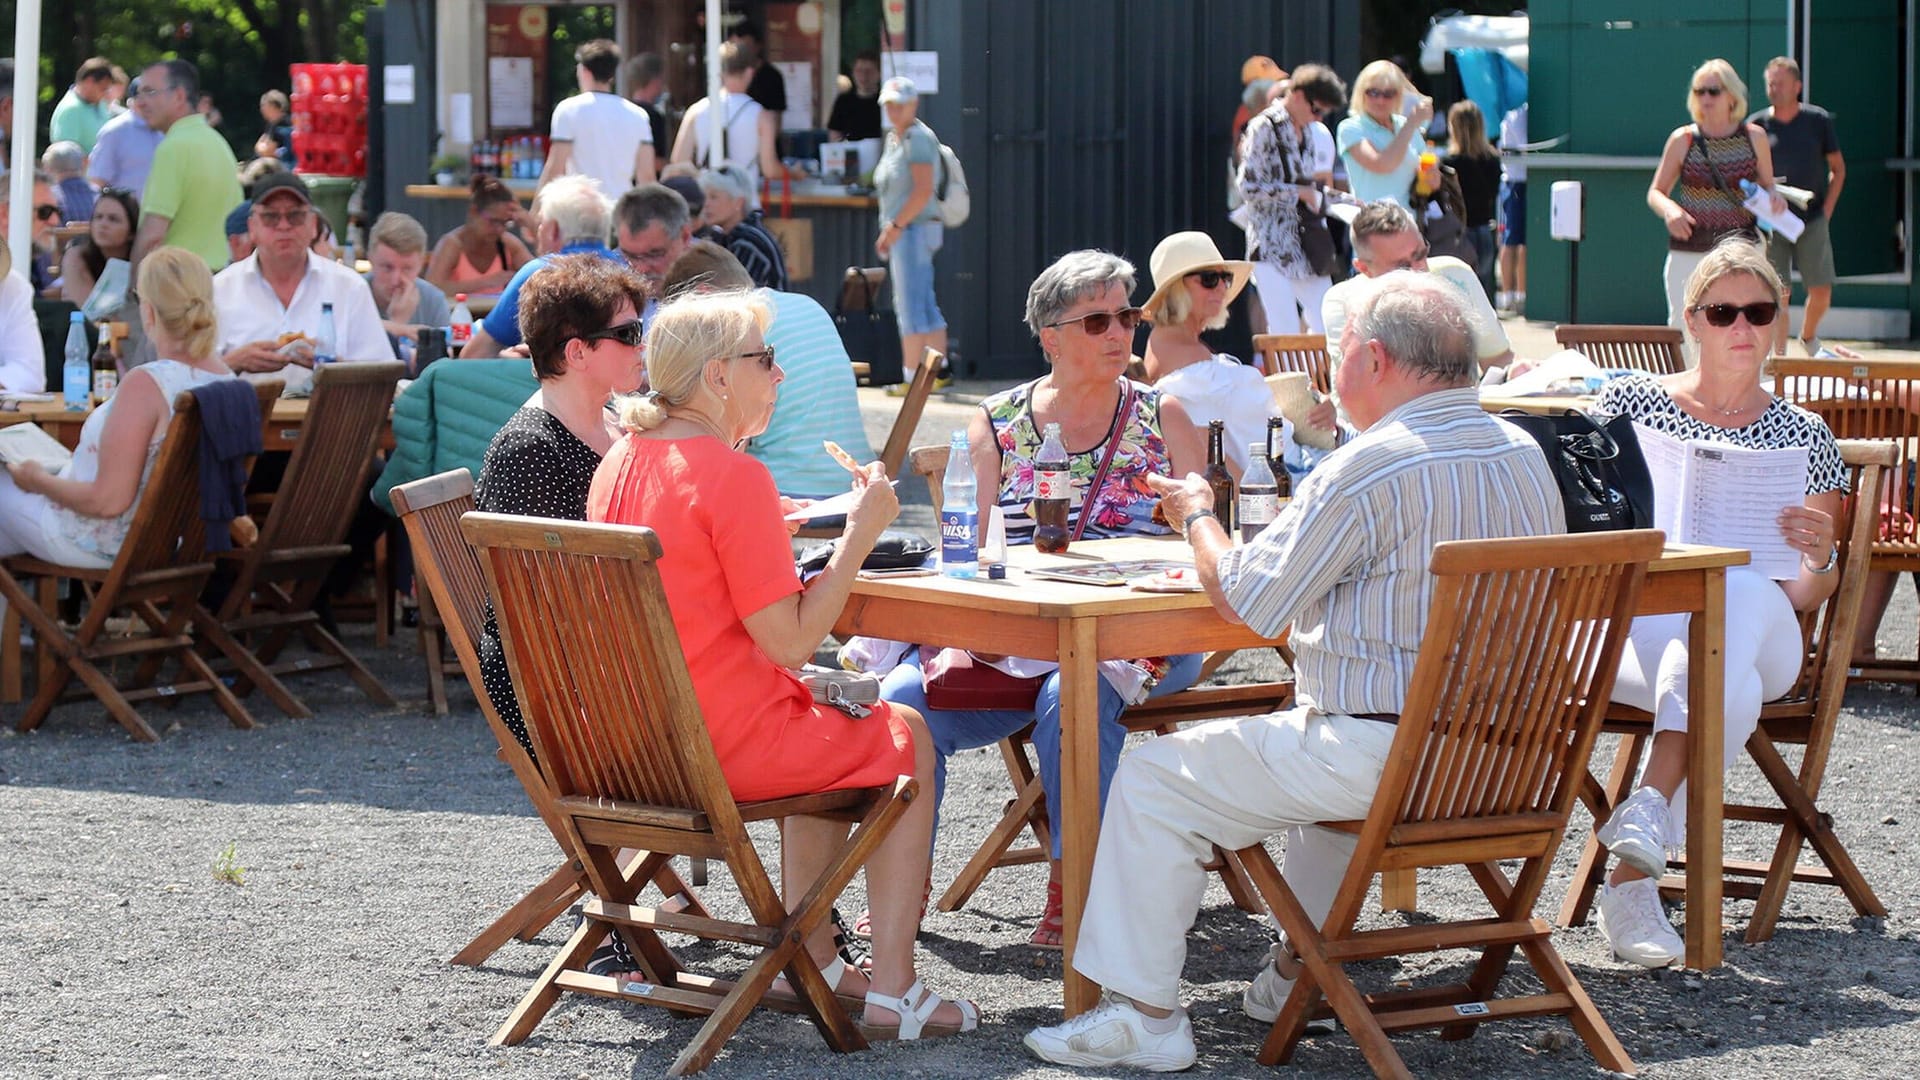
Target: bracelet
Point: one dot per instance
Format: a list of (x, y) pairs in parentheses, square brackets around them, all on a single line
[(1833, 560), (1187, 525)]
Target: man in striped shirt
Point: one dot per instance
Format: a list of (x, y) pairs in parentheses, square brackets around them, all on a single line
[(734, 223), (1345, 566)]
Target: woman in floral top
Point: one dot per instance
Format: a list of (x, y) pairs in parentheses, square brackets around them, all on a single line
[(1080, 310)]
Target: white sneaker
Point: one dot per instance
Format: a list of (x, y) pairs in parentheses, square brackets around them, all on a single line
[(1634, 923), (1637, 832), (1115, 1033), (1267, 994)]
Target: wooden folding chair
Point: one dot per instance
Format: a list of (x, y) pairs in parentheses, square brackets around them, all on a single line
[(900, 436), (1297, 352), (150, 580), (1872, 399), (448, 571), (1655, 349), (1027, 811), (604, 687), (1522, 642), (1808, 716), (279, 577)]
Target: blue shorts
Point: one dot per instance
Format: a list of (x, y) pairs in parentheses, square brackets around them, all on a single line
[(911, 267), (1513, 213)]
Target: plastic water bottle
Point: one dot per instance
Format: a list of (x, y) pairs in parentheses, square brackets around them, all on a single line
[(459, 325), (76, 375), (326, 351), (959, 513)]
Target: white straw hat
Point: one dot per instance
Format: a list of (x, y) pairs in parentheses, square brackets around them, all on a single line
[(1185, 252)]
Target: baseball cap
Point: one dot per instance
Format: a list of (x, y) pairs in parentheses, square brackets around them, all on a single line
[(237, 220), (900, 90), (276, 182)]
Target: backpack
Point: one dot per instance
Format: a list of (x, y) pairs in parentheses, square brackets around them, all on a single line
[(951, 193)]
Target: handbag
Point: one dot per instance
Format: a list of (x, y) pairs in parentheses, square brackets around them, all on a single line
[(1316, 243), (1602, 475), (852, 692), (956, 679), (895, 549), (871, 336)]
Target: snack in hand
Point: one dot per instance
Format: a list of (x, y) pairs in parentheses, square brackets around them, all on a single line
[(845, 459)]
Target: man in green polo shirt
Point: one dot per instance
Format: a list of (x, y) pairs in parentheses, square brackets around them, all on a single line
[(80, 112), (195, 181)]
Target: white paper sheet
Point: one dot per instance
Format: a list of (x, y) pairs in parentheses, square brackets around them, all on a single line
[(839, 504), (1784, 222), (510, 91), (1727, 496)]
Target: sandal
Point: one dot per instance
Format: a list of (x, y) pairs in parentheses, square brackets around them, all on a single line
[(613, 958), (914, 1018), (853, 950), (1053, 924), (834, 973)]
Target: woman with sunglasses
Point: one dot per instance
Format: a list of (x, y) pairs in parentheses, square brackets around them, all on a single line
[(1707, 159), (1380, 146), (481, 256), (1283, 193), (109, 236), (1730, 304), (1079, 309), (1192, 287), (744, 620)]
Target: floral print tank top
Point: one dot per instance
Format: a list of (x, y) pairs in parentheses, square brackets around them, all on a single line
[(1124, 505)]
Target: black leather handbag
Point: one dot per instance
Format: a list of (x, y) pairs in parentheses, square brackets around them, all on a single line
[(1602, 475), (871, 335)]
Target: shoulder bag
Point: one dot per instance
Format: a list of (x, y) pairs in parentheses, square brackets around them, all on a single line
[(1603, 478), (1316, 243)]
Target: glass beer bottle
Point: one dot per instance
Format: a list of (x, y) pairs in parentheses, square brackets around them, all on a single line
[(1217, 476)]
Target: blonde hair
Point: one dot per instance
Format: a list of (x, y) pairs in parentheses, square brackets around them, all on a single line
[(177, 287), (682, 337), (1382, 75), (400, 233), (1172, 307), (1732, 255), (1467, 131), (1729, 81)]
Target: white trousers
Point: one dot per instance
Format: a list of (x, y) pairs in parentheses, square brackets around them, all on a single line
[(28, 527), (1279, 294), (1231, 783), (1762, 657)]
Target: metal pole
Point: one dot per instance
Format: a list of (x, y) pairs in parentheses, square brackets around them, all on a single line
[(716, 118), (26, 111)]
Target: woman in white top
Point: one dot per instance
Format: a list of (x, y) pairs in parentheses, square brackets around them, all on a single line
[(1192, 286), (747, 132), (23, 367), (80, 516)]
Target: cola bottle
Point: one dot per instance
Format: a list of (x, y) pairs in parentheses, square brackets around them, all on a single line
[(1052, 493)]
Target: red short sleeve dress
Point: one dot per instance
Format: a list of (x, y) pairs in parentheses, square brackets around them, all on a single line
[(725, 555)]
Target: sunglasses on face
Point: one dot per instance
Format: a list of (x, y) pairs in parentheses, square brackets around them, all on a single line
[(629, 333), (1378, 93), (765, 356), (1709, 91), (46, 213), (1760, 314), (1096, 323), (274, 219), (1210, 279)]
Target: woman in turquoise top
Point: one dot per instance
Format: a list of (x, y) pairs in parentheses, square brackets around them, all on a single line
[(1381, 148), (910, 227)]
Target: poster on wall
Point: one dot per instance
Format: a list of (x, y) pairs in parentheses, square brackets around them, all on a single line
[(922, 67), (800, 109), (510, 91)]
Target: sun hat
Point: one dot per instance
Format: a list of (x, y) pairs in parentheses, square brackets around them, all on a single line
[(1185, 252), (1260, 67), (898, 90)]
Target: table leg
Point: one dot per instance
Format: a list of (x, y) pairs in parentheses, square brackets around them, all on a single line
[(1706, 787), (1079, 792)]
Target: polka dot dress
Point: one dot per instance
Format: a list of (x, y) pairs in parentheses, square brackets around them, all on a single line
[(535, 467), (1781, 425)]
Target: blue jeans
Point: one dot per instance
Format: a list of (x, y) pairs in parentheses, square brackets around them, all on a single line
[(966, 729), (911, 267)]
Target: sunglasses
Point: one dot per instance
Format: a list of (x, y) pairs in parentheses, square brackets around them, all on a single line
[(1760, 314), (765, 356), (1709, 91), (629, 333), (1377, 92), (1209, 279), (46, 213), (1096, 323), (273, 219)]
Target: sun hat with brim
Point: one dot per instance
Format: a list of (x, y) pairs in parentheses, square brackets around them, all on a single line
[(1185, 252), (898, 90)]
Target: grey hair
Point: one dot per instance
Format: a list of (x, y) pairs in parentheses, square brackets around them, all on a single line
[(578, 206), (64, 158), (727, 180), (1421, 322), (1383, 218), (1074, 277)]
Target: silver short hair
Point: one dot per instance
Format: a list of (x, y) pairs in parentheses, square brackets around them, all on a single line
[(1074, 277), (1421, 321), (578, 206), (64, 158), (727, 180)]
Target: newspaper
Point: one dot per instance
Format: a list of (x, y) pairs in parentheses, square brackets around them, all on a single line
[(1726, 496), (21, 443)]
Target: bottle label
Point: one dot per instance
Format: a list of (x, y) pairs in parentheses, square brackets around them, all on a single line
[(459, 333), (1259, 507), (1052, 484), (105, 382), (959, 537)]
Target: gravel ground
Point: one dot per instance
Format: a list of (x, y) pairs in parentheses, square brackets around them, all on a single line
[(375, 844)]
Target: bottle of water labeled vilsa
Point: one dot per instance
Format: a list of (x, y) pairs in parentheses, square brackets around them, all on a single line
[(959, 513)]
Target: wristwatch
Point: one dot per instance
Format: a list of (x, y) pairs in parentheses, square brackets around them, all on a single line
[(1833, 560), (1196, 516)]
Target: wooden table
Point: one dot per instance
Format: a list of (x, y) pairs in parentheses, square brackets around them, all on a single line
[(283, 426), (1080, 625)]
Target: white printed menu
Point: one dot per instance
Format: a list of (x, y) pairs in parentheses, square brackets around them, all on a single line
[(1726, 496)]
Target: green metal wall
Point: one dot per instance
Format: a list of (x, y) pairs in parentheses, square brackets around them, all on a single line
[(1611, 76)]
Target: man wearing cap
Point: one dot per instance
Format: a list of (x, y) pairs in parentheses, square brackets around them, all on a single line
[(269, 304), (194, 181), (123, 153), (239, 240)]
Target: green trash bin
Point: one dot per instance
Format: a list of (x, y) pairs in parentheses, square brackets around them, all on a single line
[(330, 195)]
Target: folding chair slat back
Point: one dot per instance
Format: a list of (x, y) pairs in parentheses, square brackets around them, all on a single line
[(1297, 352), (1656, 349)]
